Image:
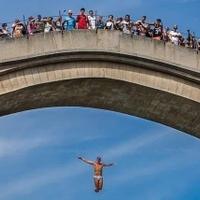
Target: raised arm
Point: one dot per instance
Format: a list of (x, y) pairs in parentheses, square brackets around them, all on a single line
[(86, 161), (108, 165)]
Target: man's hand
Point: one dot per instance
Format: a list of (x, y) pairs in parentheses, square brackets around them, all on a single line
[(108, 165), (86, 161)]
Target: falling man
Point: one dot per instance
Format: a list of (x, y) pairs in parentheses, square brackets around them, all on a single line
[(98, 166)]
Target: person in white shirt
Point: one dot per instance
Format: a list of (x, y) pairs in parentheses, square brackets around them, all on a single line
[(142, 26), (126, 25), (92, 20), (49, 25), (174, 35), (110, 23)]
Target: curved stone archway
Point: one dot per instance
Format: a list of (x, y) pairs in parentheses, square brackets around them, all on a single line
[(103, 74)]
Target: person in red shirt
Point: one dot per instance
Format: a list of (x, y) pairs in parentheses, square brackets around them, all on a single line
[(82, 20), (98, 166)]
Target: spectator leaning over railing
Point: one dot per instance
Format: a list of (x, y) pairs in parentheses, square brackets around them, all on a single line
[(82, 20), (69, 22)]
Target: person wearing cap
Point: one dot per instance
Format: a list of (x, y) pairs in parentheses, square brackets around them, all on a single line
[(175, 35), (69, 23), (82, 20), (98, 166)]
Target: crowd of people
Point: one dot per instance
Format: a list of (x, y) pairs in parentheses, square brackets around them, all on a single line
[(91, 21)]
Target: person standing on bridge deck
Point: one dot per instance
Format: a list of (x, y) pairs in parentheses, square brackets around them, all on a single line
[(4, 32), (82, 20), (142, 26), (92, 20), (158, 30), (100, 23), (18, 29), (126, 24), (98, 166), (175, 35), (110, 23), (40, 25), (69, 23)]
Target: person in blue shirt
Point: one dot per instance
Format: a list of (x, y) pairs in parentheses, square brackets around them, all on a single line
[(69, 22)]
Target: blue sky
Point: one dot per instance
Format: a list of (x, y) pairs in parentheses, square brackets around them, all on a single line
[(39, 149), (181, 12)]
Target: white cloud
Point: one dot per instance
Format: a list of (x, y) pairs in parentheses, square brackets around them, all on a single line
[(154, 168), (30, 183), (133, 145), (13, 147), (187, 1), (174, 162)]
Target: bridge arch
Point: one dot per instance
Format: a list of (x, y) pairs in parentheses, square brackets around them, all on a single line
[(108, 70)]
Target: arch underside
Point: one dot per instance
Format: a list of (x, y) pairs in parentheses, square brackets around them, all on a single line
[(115, 95), (108, 70)]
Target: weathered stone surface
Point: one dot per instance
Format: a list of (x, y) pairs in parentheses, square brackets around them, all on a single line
[(107, 70)]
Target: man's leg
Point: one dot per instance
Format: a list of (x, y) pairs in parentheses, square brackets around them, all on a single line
[(96, 183), (101, 184)]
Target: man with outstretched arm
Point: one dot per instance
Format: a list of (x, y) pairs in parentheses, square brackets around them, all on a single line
[(98, 166)]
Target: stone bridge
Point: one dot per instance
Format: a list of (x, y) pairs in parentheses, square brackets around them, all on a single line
[(108, 70)]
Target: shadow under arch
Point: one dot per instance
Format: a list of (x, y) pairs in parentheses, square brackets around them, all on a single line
[(107, 94)]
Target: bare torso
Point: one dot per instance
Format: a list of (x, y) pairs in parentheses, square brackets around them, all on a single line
[(98, 169)]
